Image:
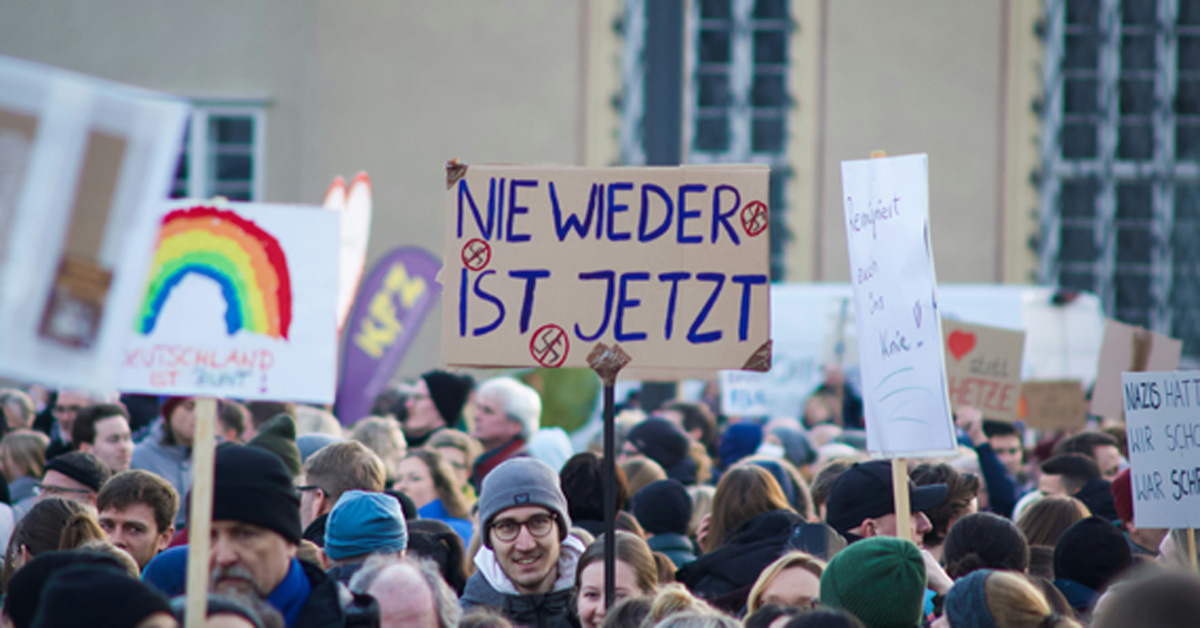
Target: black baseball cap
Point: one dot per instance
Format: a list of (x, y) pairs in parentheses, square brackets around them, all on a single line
[(864, 491)]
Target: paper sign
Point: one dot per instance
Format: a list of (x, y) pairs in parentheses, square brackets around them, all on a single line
[(1164, 447), (83, 164), (1053, 404), (240, 302), (1128, 348), (886, 203), (543, 264), (391, 306), (983, 368)]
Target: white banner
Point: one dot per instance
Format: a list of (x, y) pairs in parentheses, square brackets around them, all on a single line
[(1162, 422)]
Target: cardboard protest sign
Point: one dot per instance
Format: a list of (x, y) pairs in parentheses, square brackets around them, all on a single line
[(886, 203), (83, 163), (1128, 348), (239, 302), (983, 367), (544, 264), (395, 298), (1164, 447), (1053, 404)]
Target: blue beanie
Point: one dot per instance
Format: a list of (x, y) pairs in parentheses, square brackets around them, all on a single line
[(365, 523), (966, 603), (740, 440)]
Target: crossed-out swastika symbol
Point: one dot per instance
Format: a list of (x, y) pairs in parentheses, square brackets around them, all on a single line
[(754, 218), (550, 346), (476, 254)]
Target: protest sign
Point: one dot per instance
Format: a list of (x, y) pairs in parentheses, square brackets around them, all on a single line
[(83, 162), (1053, 404), (391, 306), (543, 264), (354, 210), (983, 367), (239, 302), (886, 203), (1161, 410), (1129, 349)]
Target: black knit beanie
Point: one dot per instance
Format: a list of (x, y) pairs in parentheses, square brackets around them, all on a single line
[(251, 485), (96, 596), (1091, 552), (278, 436), (81, 467), (663, 507), (26, 586), (661, 441), (449, 393)]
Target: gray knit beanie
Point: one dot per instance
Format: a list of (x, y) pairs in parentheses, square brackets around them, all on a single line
[(521, 482)]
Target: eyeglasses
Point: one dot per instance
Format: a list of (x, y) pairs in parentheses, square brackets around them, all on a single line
[(538, 526), (50, 490), (309, 487)]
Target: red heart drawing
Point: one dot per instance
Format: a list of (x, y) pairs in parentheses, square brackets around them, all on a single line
[(960, 343)]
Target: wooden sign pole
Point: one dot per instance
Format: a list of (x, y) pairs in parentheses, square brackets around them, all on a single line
[(200, 515), (900, 497), (1191, 543)]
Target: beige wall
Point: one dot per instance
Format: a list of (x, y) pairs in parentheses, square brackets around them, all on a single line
[(393, 88), (919, 77)]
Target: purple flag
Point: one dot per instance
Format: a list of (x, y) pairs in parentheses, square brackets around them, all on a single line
[(390, 306)]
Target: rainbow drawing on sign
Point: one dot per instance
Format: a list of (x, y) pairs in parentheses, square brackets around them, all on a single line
[(244, 260)]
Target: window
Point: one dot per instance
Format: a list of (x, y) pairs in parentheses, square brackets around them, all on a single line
[(736, 103), (222, 154), (1120, 143)]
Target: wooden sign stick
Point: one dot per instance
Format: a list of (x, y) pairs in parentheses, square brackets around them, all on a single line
[(899, 467), (1191, 538), (200, 515)]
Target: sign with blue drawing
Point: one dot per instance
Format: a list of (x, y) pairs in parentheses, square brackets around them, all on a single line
[(886, 203)]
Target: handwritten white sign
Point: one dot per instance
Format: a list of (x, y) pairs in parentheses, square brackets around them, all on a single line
[(886, 204), (240, 301), (1162, 422)]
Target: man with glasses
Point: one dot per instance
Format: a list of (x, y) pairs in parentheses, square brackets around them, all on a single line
[(328, 473), (526, 567), (74, 475)]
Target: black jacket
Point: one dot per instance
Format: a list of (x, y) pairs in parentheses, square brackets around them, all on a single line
[(547, 610), (324, 607), (315, 531), (724, 576)]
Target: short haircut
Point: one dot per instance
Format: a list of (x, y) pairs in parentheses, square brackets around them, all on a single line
[(136, 486), (19, 402), (1076, 470), (1084, 443), (263, 411), (340, 467), (27, 450), (521, 403), (961, 489), (84, 430), (993, 428), (822, 485), (233, 416), (444, 601)]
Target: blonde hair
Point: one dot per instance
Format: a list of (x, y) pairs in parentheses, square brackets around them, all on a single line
[(454, 439), (640, 472), (702, 502), (108, 549), (382, 436), (27, 451), (1014, 602), (671, 599), (790, 560)]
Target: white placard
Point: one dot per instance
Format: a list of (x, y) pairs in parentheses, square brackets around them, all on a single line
[(1162, 422), (83, 165), (886, 203), (240, 302)]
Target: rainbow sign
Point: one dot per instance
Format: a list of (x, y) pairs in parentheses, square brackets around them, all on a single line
[(246, 261)]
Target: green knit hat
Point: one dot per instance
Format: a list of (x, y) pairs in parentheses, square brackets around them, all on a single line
[(880, 580), (278, 436)]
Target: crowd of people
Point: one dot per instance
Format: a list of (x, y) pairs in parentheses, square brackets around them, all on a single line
[(452, 506)]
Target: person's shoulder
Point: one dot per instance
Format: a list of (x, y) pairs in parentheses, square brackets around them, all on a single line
[(323, 608)]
